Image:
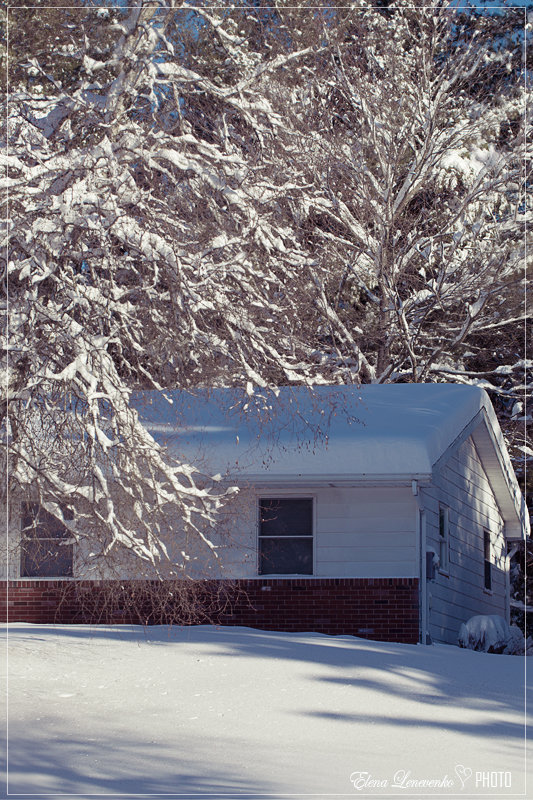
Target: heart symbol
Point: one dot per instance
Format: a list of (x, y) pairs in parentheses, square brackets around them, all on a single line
[(463, 773)]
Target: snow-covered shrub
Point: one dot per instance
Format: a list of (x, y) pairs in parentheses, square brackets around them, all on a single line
[(491, 634), (517, 644)]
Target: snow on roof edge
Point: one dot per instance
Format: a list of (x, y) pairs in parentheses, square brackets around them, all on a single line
[(398, 428)]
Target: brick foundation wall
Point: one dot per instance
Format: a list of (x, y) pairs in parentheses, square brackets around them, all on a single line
[(374, 608), (32, 601)]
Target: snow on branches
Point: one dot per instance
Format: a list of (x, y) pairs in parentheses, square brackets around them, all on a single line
[(416, 172), (199, 197), (142, 251)]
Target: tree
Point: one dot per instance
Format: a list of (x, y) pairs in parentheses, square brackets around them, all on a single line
[(205, 198), (413, 126), (141, 250), (417, 187)]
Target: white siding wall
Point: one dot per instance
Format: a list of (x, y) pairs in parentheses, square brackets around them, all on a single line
[(240, 517), (10, 553), (9, 545), (359, 533), (462, 485), (366, 533)]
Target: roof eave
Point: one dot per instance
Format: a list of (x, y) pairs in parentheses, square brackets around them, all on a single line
[(490, 446), (261, 480)]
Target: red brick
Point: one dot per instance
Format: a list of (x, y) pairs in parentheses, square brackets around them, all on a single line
[(327, 605)]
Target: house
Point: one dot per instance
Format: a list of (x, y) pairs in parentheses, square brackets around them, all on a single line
[(383, 511)]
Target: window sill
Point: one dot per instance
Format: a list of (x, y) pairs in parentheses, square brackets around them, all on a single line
[(279, 575), (42, 578)]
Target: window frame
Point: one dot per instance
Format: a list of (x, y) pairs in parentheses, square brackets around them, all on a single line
[(281, 495), (444, 539), (487, 562), (62, 534)]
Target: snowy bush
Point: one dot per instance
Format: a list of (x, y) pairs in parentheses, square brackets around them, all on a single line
[(517, 644), (491, 634)]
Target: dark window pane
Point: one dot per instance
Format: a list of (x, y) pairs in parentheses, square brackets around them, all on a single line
[(36, 522), (486, 544), (443, 528), (46, 559), (286, 516), (488, 566), (286, 556), (488, 575)]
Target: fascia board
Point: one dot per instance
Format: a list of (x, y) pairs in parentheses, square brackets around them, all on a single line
[(485, 435), (340, 481)]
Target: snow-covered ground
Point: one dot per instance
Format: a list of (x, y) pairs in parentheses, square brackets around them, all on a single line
[(234, 712)]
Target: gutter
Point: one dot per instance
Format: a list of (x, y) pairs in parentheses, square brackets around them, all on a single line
[(336, 481)]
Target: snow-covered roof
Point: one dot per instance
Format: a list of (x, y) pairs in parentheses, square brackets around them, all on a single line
[(331, 435)]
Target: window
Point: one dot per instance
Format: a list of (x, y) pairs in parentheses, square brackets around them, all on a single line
[(444, 537), (488, 565), (286, 536), (45, 551)]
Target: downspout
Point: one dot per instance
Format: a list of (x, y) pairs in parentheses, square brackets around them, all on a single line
[(508, 557), (421, 540)]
